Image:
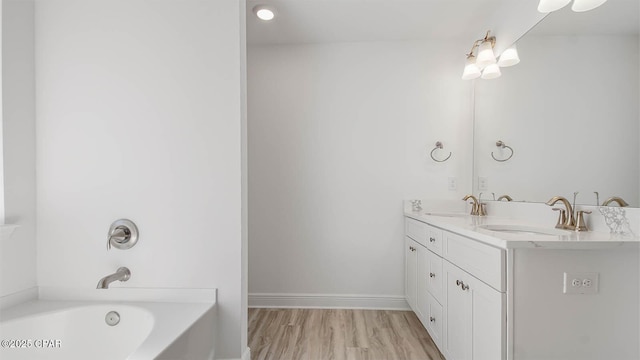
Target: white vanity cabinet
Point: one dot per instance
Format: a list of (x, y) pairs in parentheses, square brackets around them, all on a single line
[(492, 295), (455, 286)]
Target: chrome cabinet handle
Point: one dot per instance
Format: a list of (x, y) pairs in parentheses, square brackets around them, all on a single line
[(432, 319), (412, 248), (432, 239), (431, 275), (462, 285)]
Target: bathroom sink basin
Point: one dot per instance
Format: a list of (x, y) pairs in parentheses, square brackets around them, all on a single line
[(446, 214), (524, 230)]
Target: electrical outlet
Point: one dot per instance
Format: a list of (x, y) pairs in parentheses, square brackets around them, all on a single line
[(452, 183), (483, 183), (580, 283)]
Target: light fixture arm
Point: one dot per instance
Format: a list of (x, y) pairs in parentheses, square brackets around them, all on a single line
[(477, 43), (474, 47), (490, 38)]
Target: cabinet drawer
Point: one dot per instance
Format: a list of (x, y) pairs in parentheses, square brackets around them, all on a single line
[(433, 318), (480, 260), (417, 230), (434, 275), (434, 241)]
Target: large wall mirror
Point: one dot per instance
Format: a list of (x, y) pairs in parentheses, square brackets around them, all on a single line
[(569, 111)]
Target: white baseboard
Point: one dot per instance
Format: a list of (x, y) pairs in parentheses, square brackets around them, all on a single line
[(19, 297), (328, 301)]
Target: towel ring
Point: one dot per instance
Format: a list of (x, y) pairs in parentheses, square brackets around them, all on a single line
[(439, 146), (502, 145)]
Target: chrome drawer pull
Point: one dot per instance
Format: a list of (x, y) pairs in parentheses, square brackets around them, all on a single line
[(432, 275), (432, 239), (432, 319), (462, 285)]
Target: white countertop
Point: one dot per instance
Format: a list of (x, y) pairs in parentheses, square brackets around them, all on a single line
[(469, 226)]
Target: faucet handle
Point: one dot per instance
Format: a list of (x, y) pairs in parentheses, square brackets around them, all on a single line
[(581, 225), (562, 218), (482, 209), (123, 234)]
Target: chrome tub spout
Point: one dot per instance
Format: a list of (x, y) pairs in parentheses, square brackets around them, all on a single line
[(122, 274)]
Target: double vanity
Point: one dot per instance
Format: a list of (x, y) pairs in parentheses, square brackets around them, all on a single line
[(498, 287)]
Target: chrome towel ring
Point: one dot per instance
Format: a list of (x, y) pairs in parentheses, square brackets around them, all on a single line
[(439, 146), (502, 145)]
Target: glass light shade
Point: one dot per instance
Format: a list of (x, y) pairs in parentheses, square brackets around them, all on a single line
[(471, 70), (491, 72), (586, 5), (486, 56), (509, 57), (547, 6), (264, 13)]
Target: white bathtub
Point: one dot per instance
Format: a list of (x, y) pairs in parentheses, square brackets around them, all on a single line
[(46, 329)]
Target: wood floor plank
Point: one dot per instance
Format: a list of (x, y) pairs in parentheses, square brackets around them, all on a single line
[(338, 334)]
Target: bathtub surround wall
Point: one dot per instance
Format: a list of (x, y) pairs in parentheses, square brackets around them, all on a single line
[(339, 134), (18, 254), (139, 107)]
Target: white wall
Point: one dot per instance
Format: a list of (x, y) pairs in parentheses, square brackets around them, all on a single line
[(1, 136), (139, 117), (18, 254), (339, 135), (571, 115), (572, 326)]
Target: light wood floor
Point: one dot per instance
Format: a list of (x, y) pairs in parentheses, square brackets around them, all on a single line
[(319, 334)]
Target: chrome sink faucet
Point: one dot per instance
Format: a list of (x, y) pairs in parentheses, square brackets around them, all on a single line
[(122, 274)]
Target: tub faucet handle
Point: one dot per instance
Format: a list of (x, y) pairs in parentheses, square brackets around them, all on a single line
[(123, 234)]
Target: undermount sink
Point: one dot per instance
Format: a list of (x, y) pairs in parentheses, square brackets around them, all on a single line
[(446, 214), (524, 230)]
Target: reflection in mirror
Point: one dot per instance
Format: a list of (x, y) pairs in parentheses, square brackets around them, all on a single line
[(569, 110)]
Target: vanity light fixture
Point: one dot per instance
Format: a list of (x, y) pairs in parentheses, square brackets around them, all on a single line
[(485, 64), (509, 57), (486, 56), (471, 70), (491, 72), (547, 6), (264, 12)]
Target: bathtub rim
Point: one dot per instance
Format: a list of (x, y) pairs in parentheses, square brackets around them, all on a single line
[(174, 310)]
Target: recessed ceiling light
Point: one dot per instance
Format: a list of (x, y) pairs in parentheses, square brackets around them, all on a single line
[(264, 12)]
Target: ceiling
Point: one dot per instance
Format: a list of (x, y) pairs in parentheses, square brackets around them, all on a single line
[(325, 21), (321, 21)]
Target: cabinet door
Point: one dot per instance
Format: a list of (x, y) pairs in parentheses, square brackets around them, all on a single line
[(410, 286), (475, 323), (488, 320), (457, 313)]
